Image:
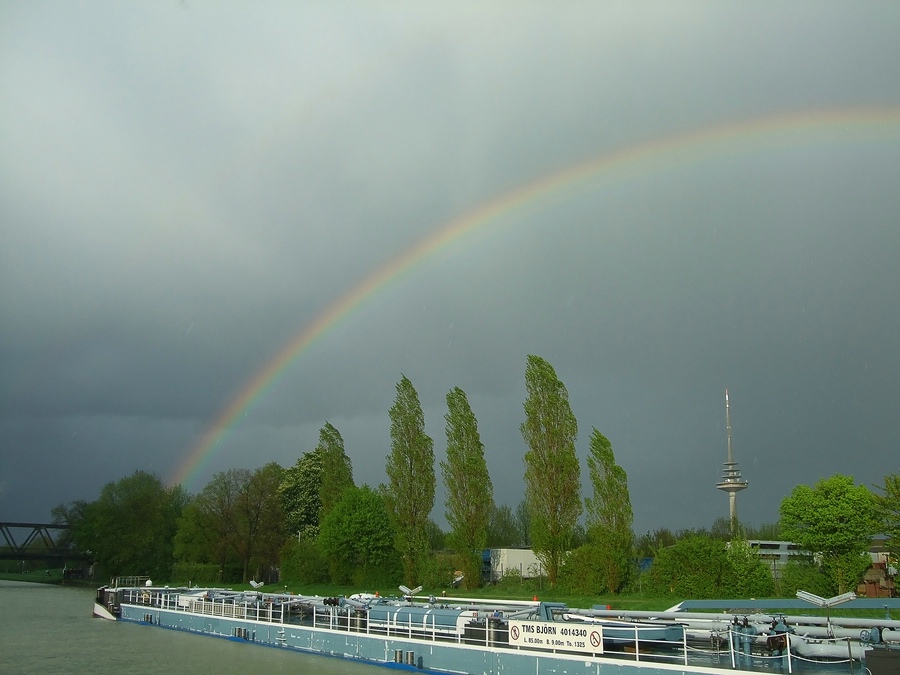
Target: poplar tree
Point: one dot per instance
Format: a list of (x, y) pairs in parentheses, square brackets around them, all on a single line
[(552, 472), (337, 470), (470, 500), (609, 514), (410, 470)]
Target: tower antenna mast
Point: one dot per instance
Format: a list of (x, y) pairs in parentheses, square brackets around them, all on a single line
[(731, 481)]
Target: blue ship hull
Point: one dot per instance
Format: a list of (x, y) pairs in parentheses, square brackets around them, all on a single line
[(426, 638)]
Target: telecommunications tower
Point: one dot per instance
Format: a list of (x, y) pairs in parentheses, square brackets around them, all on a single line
[(731, 481)]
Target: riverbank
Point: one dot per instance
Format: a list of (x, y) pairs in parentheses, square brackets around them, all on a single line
[(631, 602), (53, 577)]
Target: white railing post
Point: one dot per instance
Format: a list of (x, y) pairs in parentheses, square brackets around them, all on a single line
[(637, 647), (731, 645)]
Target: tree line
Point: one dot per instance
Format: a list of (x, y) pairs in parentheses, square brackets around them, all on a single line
[(312, 523)]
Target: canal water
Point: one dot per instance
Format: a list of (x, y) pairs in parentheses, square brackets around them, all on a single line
[(49, 629)]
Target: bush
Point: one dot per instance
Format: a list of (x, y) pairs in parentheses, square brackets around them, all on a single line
[(806, 576), (511, 579), (471, 567), (701, 567), (746, 575), (692, 568), (388, 573), (303, 563), (580, 573), (205, 573), (438, 570)]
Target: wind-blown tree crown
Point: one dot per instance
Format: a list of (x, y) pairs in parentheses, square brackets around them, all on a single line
[(410, 468), (609, 513), (469, 489), (552, 472)]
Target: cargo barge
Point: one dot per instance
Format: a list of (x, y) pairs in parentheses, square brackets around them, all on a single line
[(466, 636)]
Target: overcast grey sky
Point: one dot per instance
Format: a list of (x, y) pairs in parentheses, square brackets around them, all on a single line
[(186, 187)]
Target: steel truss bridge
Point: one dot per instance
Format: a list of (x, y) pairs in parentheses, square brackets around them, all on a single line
[(39, 541)]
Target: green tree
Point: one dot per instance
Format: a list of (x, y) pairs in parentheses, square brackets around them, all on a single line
[(356, 536), (723, 528), (523, 523), (649, 544), (691, 568), (303, 562), (836, 519), (805, 575), (579, 535), (609, 514), (889, 502), (703, 567), (133, 525), (337, 470), (552, 471), (470, 499), (747, 575), (260, 533), (581, 573), (765, 532), (70, 514), (437, 538), (410, 468), (208, 527), (75, 515), (503, 531), (300, 495), (192, 539)]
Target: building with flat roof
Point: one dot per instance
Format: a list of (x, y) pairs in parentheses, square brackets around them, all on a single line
[(777, 554)]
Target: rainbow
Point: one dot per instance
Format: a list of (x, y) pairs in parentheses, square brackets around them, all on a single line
[(759, 134)]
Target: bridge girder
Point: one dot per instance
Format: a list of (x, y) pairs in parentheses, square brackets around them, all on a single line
[(39, 542)]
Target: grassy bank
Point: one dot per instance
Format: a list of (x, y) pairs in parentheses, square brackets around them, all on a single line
[(37, 576), (53, 576), (633, 602), (624, 602)]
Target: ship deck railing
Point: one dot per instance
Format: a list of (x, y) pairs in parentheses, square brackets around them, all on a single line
[(126, 582), (224, 607), (732, 649)]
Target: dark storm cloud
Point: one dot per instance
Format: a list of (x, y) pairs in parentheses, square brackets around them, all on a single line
[(184, 188)]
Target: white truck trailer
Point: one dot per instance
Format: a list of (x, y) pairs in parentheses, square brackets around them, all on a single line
[(522, 560)]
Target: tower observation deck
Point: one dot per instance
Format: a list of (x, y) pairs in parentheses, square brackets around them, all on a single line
[(731, 481)]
